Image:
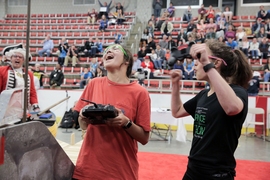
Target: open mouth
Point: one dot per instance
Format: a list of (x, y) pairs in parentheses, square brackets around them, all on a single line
[(109, 57), (17, 62)]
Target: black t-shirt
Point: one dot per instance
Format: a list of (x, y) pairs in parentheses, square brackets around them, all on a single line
[(39, 75), (254, 85), (215, 134)]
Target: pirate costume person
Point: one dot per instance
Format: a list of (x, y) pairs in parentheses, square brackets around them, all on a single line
[(12, 75)]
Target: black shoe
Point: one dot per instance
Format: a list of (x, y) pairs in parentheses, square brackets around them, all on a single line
[(77, 126)]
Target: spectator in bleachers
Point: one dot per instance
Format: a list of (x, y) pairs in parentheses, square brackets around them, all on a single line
[(72, 55), (263, 14), (267, 27), (171, 43), (239, 36), (106, 12), (154, 21), (193, 35), (160, 21), (160, 57), (150, 27), (148, 66), (120, 18), (171, 10), (230, 33), (150, 44), (103, 23), (39, 74), (153, 57), (136, 65), (232, 43), (217, 14), (93, 66), (261, 34), (254, 48), (211, 24), (157, 6), (118, 37), (56, 78), (210, 33), (180, 44), (47, 46), (228, 14), (166, 28), (100, 72), (191, 26), (145, 35), (187, 15), (257, 26), (267, 70), (92, 16), (245, 45), (120, 6), (211, 13), (200, 38), (89, 47), (201, 27), (86, 75), (263, 47), (189, 68), (202, 13), (142, 53), (181, 36), (221, 39), (179, 65), (62, 51), (99, 46), (163, 42), (254, 84), (221, 22)]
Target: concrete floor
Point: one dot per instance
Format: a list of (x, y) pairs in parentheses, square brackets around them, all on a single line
[(249, 148)]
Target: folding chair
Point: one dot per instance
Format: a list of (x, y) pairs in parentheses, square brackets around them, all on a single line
[(254, 112)]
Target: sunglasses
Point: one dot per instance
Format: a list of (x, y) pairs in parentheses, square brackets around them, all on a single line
[(115, 47), (217, 58)]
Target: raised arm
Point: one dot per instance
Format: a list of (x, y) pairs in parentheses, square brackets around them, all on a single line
[(177, 107)]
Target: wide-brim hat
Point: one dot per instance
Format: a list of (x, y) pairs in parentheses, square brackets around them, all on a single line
[(10, 50)]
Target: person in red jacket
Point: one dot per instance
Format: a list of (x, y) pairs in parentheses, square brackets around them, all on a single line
[(12, 75), (148, 66)]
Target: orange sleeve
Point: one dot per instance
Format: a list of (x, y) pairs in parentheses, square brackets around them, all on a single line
[(33, 93)]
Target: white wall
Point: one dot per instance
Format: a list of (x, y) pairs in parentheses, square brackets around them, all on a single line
[(63, 6), (49, 97)]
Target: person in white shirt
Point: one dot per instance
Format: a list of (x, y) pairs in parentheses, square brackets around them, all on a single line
[(254, 49)]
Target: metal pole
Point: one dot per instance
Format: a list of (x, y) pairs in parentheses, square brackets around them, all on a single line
[(26, 63)]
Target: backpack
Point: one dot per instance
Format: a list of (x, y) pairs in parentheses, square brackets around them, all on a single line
[(67, 120)]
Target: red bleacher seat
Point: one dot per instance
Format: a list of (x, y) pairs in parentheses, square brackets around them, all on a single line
[(184, 25), (6, 34), (73, 21), (67, 69), (53, 15), (50, 59), (69, 34), (82, 27), (79, 42), (252, 17), (77, 69), (49, 69), (11, 41), (176, 26), (75, 27), (79, 21), (177, 19), (65, 15), (33, 41), (84, 59), (235, 17), (59, 15), (70, 81), (71, 15), (244, 17), (12, 34), (67, 27), (46, 15), (40, 27), (83, 34), (246, 24), (54, 27), (76, 34), (60, 21), (62, 34), (40, 59)]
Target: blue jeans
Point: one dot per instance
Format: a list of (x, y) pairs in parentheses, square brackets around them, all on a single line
[(266, 76), (158, 63), (187, 17), (83, 83), (189, 76), (42, 51), (254, 53), (157, 12)]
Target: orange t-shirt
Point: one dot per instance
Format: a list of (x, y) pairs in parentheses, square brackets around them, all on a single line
[(110, 152)]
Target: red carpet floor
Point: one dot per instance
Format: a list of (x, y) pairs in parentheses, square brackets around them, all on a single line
[(155, 166)]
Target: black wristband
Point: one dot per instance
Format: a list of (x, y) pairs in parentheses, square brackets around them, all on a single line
[(128, 125), (209, 66)]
